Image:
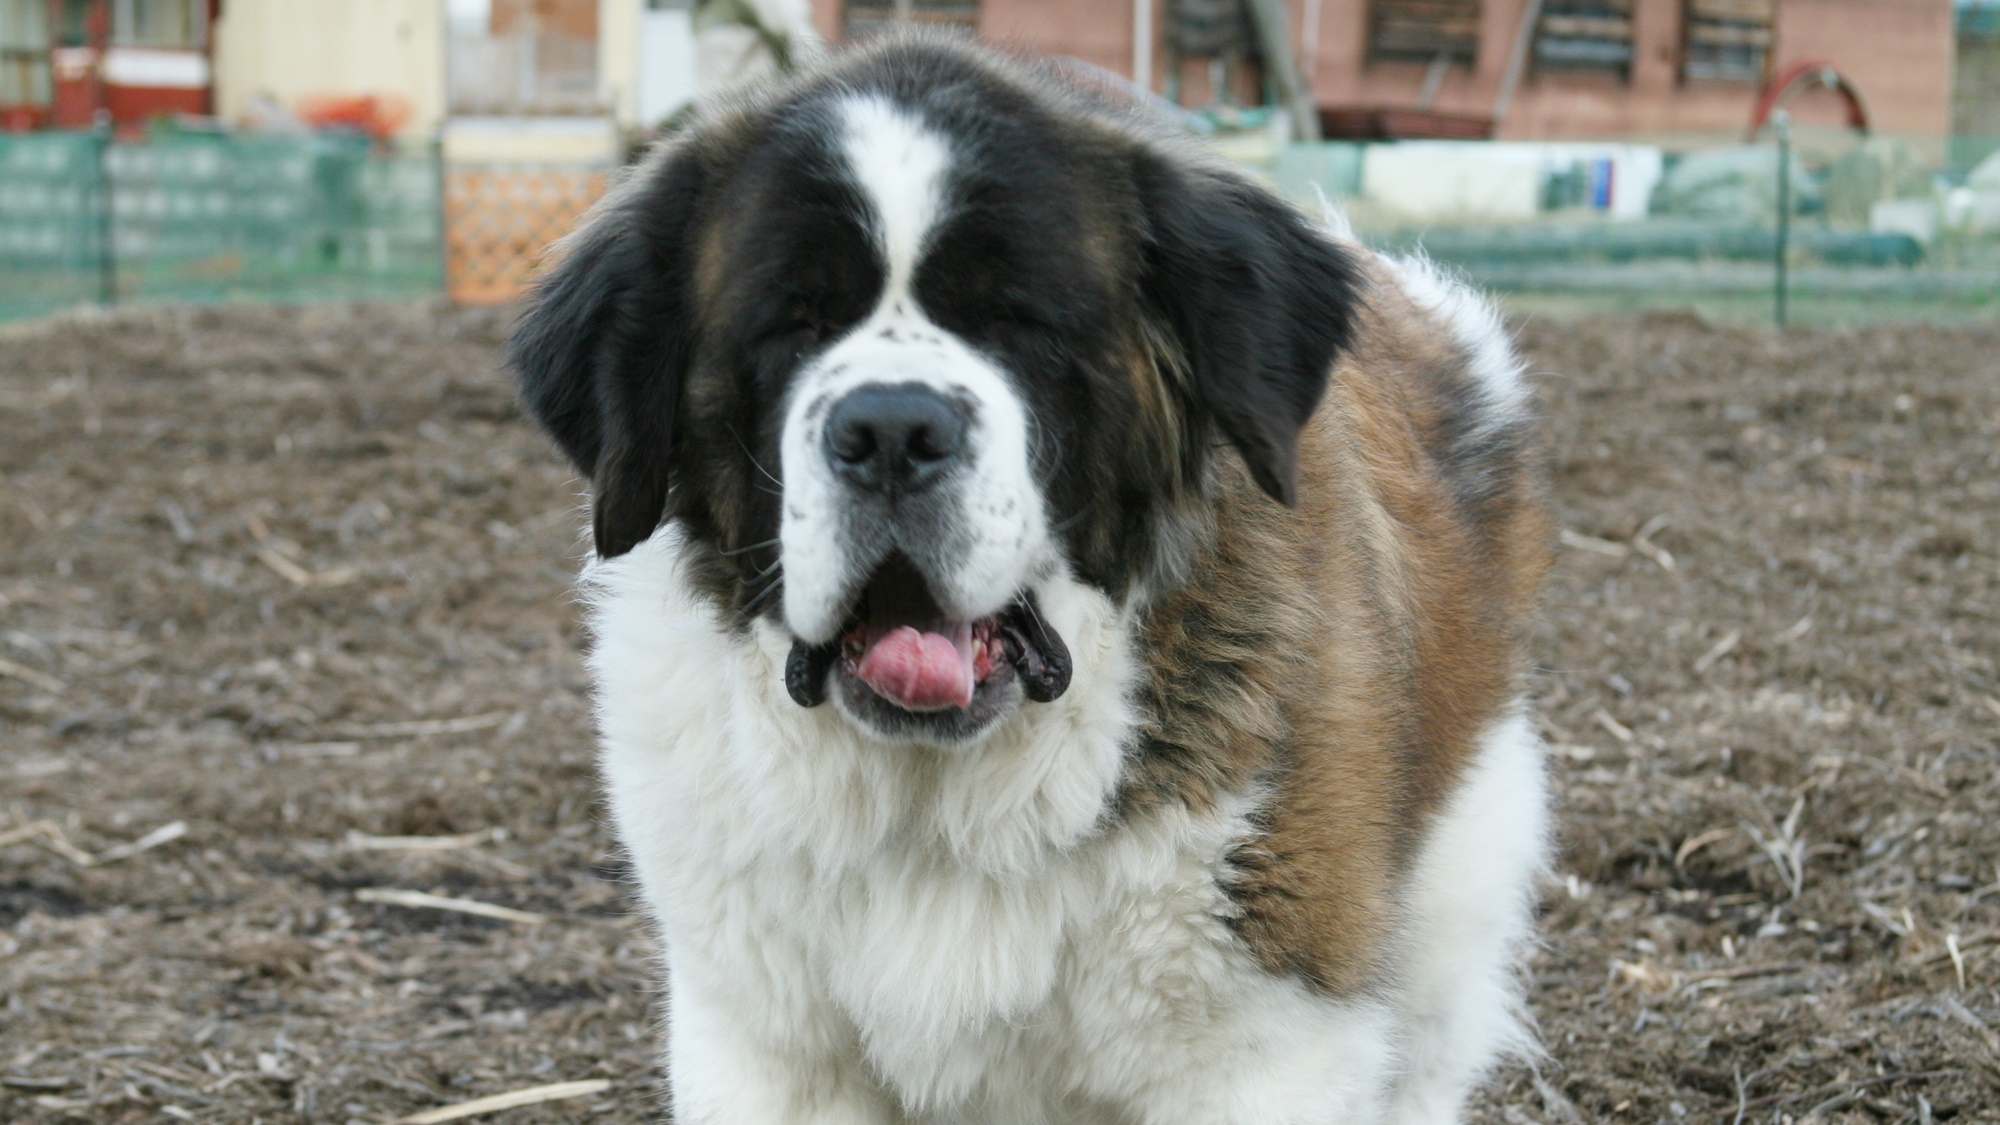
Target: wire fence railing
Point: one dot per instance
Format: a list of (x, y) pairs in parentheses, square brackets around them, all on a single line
[(86, 218), (1878, 229)]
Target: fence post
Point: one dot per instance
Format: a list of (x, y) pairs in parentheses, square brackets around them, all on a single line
[(441, 177), (1783, 123), (107, 249)]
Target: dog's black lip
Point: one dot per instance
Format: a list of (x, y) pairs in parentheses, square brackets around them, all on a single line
[(1038, 653), (1040, 659), (806, 670)]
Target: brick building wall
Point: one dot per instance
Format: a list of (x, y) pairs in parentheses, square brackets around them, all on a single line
[(1898, 52)]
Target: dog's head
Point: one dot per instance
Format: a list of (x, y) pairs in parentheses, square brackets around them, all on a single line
[(904, 342)]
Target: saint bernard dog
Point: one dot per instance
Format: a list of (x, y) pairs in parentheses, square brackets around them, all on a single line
[(1058, 616)]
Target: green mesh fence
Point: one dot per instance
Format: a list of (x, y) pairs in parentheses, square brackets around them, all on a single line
[(53, 222), (203, 217), (1881, 228)]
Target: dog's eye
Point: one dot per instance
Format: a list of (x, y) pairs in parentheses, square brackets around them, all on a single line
[(792, 333), (1006, 320), (806, 321)]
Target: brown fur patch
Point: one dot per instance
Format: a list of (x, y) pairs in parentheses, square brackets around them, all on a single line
[(1346, 656)]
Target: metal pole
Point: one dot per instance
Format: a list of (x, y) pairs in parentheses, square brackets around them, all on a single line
[(1517, 62), (1274, 37), (1309, 22), (1783, 121), (1142, 44)]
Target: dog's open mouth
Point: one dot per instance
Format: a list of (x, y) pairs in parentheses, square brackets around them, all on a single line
[(899, 645)]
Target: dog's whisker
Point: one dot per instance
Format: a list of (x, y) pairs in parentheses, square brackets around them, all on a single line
[(1070, 522), (749, 547), (772, 586), (744, 446)]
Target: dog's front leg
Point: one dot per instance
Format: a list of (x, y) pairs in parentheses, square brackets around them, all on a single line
[(746, 1048)]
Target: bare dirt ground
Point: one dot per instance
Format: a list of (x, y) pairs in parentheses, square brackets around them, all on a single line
[(277, 584)]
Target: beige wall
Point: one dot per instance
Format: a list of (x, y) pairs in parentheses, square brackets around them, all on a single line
[(618, 58), (1899, 52), (295, 48)]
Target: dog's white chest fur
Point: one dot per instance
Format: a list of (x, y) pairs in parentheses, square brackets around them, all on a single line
[(950, 935)]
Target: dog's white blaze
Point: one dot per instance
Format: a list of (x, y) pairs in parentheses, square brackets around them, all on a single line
[(900, 167), (998, 539)]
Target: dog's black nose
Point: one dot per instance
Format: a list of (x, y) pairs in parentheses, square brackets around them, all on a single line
[(894, 438)]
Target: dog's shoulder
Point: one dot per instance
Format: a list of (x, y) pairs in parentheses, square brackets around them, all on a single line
[(1346, 657)]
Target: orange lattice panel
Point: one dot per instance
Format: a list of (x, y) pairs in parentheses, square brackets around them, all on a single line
[(498, 222)]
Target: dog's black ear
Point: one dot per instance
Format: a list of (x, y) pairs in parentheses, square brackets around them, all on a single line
[(605, 343), (1260, 300)]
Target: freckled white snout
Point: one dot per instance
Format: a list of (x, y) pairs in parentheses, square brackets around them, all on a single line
[(904, 439), (895, 439)]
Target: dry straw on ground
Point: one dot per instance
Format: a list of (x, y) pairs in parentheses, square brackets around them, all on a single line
[(294, 580)]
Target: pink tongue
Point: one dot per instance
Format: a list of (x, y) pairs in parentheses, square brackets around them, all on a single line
[(920, 671)]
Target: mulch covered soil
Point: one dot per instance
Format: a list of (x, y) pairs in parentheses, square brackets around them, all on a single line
[(279, 587)]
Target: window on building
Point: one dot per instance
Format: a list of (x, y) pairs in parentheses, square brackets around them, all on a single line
[(1424, 30), (524, 57), (24, 53), (73, 23), (1585, 35), (576, 19), (866, 17), (1729, 40), (181, 24), (1975, 84), (1210, 29)]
